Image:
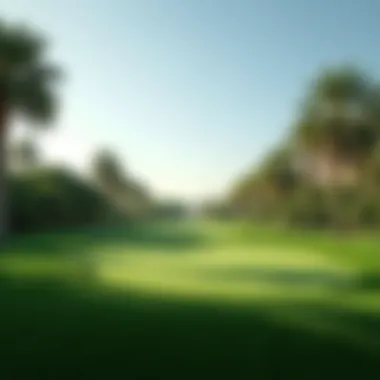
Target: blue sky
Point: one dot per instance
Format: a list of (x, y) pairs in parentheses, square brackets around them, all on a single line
[(191, 93)]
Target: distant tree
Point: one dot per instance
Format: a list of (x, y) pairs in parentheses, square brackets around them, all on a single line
[(108, 171), (54, 197), (125, 193), (135, 198), (26, 87), (341, 112), (24, 154), (328, 172)]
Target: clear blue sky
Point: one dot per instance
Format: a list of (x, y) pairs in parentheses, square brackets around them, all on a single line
[(191, 92)]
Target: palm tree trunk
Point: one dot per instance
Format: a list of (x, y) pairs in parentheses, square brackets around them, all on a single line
[(3, 170)]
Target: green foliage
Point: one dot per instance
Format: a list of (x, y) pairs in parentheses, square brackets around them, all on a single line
[(342, 109), (27, 88), (123, 191), (107, 171), (54, 198), (339, 124), (23, 155), (170, 210), (27, 79), (44, 197)]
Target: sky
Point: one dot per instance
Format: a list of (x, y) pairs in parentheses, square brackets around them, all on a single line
[(190, 93)]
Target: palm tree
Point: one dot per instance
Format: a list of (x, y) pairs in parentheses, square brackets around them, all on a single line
[(339, 123), (26, 88), (343, 109)]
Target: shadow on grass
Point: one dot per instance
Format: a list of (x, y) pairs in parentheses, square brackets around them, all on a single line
[(74, 330), (55, 331), (282, 276), (124, 237), (370, 282)]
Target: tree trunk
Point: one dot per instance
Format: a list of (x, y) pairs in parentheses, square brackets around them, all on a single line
[(3, 170)]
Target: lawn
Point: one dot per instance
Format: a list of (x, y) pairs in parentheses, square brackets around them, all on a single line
[(190, 301)]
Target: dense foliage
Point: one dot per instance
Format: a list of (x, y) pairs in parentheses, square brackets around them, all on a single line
[(50, 198), (45, 197), (327, 174)]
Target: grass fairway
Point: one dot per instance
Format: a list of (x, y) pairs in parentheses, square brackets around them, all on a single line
[(195, 301)]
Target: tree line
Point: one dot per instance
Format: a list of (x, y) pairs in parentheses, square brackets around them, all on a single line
[(43, 196), (326, 172), (35, 195)]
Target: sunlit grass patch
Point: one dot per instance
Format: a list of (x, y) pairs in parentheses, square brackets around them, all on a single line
[(226, 266), (195, 293), (229, 273)]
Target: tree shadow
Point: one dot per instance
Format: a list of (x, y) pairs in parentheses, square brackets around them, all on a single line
[(369, 282), (281, 276), (75, 333), (74, 329), (76, 242)]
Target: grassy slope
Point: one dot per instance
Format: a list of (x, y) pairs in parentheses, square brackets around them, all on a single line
[(59, 321)]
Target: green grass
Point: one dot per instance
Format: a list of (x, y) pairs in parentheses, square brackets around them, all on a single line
[(190, 301)]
